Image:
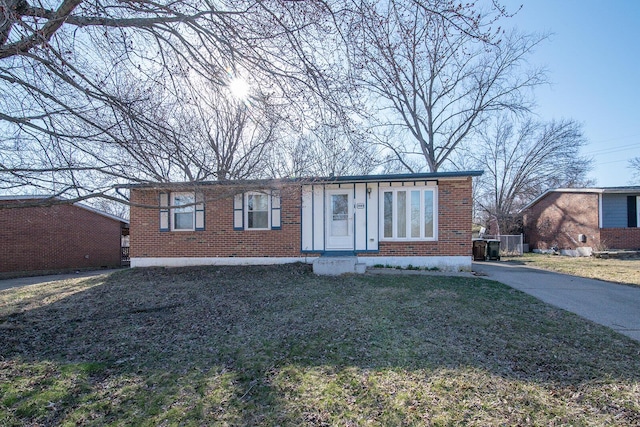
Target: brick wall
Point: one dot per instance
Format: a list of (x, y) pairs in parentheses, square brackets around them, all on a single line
[(57, 238), (219, 239), (454, 225), (558, 218), (620, 238)]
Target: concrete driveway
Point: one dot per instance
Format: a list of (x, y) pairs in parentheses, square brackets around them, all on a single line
[(36, 280), (609, 304)]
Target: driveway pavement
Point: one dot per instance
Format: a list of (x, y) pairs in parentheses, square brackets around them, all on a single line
[(609, 304), (35, 280)]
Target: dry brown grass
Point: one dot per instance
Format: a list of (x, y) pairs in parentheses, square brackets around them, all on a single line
[(280, 346), (625, 271)]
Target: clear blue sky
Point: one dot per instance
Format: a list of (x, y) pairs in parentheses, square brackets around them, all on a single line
[(593, 59)]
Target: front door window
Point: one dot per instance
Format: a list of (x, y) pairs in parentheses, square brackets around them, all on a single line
[(339, 220), (339, 215)]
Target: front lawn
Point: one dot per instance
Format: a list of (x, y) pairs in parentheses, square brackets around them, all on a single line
[(280, 346), (625, 271)]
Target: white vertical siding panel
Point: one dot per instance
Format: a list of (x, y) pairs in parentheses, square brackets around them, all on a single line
[(373, 209), (360, 216), (306, 218), (318, 218)]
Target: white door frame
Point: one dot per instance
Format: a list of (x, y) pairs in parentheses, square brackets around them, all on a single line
[(343, 241)]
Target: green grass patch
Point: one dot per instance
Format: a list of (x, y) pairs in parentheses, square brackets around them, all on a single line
[(281, 346)]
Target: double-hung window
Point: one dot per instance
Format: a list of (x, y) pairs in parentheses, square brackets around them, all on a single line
[(257, 210), (409, 213), (181, 211)]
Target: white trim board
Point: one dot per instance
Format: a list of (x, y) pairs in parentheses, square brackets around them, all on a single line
[(444, 263), (188, 261)]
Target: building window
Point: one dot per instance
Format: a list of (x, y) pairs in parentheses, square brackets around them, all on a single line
[(257, 211), (181, 211), (633, 211), (409, 213)]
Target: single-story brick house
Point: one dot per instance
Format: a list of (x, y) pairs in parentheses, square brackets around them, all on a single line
[(419, 219), (40, 238), (584, 219)]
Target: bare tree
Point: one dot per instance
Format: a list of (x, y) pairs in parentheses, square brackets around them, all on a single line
[(210, 134), (333, 146), (437, 71), (523, 159), (80, 80)]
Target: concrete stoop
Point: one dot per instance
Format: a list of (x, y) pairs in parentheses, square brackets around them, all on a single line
[(335, 266)]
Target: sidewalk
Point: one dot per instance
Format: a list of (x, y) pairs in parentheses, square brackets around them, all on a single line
[(35, 280)]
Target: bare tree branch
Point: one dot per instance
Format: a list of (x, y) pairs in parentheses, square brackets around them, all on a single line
[(523, 159), (441, 70), (103, 92)]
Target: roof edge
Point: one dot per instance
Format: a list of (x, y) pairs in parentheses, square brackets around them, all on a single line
[(62, 202), (591, 190), (330, 179)]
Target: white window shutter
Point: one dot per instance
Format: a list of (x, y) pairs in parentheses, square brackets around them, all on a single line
[(238, 212), (199, 223), (276, 220), (164, 212)]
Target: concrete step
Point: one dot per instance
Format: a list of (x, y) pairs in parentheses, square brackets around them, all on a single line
[(334, 266)]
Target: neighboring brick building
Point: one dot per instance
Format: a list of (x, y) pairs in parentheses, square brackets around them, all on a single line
[(418, 219), (584, 219), (41, 239)]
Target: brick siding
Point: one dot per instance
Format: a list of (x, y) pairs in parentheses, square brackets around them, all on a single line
[(219, 239), (559, 218), (454, 225), (57, 237), (620, 238)]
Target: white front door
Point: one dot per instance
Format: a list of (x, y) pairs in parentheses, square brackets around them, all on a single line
[(339, 222)]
